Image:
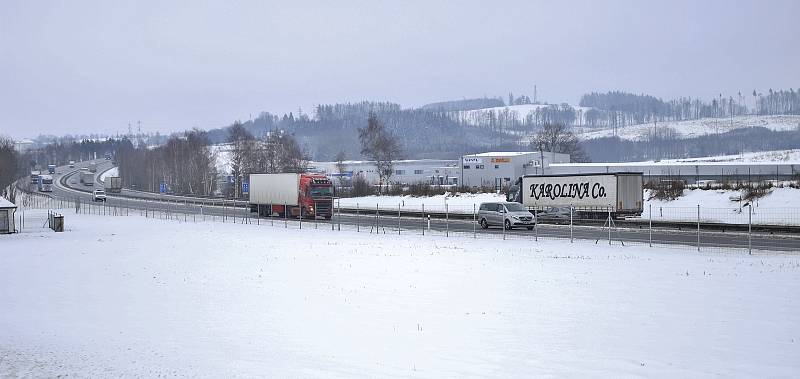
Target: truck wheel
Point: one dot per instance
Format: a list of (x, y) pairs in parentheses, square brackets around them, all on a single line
[(507, 225), (530, 228), (484, 224)]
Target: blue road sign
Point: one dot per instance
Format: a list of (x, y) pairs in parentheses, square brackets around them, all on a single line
[(230, 179), (162, 187), (245, 187)]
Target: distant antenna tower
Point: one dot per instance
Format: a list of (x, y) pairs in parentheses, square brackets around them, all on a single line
[(139, 123), (535, 98)]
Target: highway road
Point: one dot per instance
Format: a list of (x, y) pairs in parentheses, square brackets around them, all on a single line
[(67, 186)]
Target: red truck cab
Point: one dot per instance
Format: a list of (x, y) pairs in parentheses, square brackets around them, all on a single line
[(316, 195)]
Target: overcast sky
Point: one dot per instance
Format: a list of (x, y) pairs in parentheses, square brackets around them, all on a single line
[(81, 67)]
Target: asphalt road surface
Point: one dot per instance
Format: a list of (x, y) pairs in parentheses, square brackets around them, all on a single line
[(67, 186)]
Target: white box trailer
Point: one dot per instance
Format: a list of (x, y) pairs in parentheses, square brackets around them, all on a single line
[(86, 177), (621, 193), (112, 184), (274, 189)]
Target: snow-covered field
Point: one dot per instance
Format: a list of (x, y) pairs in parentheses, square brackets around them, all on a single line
[(780, 207), (701, 127), (778, 156), (232, 300), (111, 172)]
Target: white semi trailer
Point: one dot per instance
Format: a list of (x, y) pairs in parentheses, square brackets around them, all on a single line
[(589, 194), (112, 184), (86, 177)]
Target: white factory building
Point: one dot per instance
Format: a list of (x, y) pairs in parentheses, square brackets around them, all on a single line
[(484, 169), (496, 169), (689, 172), (408, 171)]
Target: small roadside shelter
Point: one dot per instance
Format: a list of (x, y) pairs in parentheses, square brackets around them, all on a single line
[(7, 210)]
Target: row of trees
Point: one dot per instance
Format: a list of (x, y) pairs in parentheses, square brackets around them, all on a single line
[(422, 133), (186, 164), (12, 166), (778, 102), (276, 152)]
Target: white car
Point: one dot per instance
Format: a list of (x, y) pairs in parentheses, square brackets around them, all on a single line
[(99, 195), (505, 214)]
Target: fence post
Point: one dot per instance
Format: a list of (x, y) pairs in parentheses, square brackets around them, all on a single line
[(316, 209), (358, 219), (398, 218), (338, 215), (423, 219), (535, 225), (650, 227), (285, 216), (301, 216), (608, 208), (446, 220), (698, 227), (377, 219), (750, 229), (474, 222), (503, 223), (570, 223)]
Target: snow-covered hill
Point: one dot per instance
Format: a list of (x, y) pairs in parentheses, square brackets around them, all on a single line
[(760, 156), (695, 128)]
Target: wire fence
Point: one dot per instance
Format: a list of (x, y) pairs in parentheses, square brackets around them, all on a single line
[(689, 228)]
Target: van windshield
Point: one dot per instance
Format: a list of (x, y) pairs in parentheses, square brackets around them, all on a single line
[(514, 207)]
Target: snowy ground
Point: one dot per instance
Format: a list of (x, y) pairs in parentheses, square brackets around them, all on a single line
[(232, 300), (114, 171), (778, 156), (695, 128), (780, 207)]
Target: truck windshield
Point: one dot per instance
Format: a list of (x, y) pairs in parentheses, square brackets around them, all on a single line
[(321, 191)]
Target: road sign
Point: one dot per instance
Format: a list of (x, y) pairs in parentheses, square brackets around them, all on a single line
[(231, 179), (162, 187), (245, 188)]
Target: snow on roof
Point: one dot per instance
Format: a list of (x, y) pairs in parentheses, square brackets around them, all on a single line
[(658, 164), (6, 204)]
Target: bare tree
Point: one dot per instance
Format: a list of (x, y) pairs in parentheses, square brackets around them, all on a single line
[(555, 137), (10, 169), (381, 146), (341, 167), (241, 150), (280, 152)]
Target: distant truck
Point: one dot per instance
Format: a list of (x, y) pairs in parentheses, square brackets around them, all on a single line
[(51, 168), (45, 183), (112, 184), (308, 194), (35, 176), (93, 167), (71, 164), (87, 177), (591, 195)]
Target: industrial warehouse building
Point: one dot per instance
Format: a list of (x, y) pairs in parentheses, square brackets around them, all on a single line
[(484, 169), (430, 171), (496, 169), (689, 172)]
